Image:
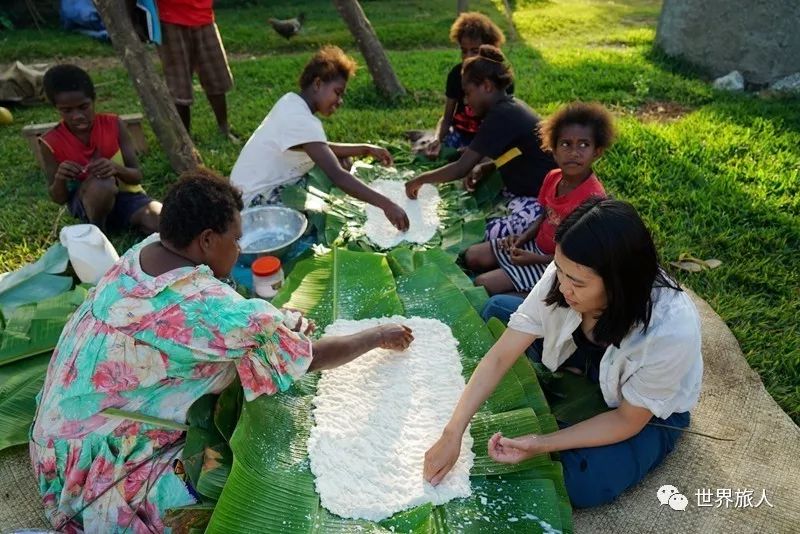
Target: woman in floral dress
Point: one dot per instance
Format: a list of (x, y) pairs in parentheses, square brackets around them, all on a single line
[(159, 331)]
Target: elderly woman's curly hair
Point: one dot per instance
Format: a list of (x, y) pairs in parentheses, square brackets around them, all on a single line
[(200, 200)]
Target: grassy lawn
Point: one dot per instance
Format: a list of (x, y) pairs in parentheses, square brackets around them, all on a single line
[(715, 175)]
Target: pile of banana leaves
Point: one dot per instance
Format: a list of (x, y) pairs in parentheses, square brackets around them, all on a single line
[(36, 304)]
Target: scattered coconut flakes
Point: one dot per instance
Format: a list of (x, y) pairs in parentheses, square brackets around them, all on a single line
[(375, 418), (423, 215)]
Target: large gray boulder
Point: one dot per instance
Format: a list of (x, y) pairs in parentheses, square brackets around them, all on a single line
[(759, 38)]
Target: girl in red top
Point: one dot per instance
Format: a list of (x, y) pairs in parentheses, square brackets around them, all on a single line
[(577, 135), (89, 158)]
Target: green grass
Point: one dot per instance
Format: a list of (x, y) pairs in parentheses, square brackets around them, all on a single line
[(720, 182)]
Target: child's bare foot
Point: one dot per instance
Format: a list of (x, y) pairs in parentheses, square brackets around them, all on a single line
[(230, 135)]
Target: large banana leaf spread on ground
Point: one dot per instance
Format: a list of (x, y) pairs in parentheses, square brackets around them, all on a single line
[(269, 486)]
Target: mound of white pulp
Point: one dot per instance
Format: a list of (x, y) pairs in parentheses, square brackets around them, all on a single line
[(375, 418), (423, 216)]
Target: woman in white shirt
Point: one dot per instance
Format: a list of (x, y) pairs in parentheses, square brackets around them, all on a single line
[(604, 307), (291, 140)]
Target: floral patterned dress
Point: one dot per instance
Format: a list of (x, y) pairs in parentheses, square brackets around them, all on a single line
[(151, 345)]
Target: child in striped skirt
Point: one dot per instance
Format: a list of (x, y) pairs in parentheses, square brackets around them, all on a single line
[(577, 135)]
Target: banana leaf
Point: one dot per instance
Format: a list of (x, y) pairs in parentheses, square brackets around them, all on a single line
[(404, 261), (186, 519), (427, 292), (116, 413), (528, 506), (572, 398), (307, 287), (462, 219), (487, 193), (215, 470), (525, 373), (28, 336), (34, 329), (228, 408), (270, 487), (53, 261), (401, 261), (207, 458), (512, 424), (36, 288), (20, 382)]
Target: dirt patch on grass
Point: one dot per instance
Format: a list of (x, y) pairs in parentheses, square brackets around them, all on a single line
[(89, 64), (661, 111)]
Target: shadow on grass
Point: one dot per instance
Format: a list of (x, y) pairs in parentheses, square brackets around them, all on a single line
[(691, 207)]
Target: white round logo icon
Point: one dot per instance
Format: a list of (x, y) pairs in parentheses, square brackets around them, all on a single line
[(665, 492)]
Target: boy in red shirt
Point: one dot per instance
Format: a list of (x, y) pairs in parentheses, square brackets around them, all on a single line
[(190, 42), (89, 158), (577, 135)]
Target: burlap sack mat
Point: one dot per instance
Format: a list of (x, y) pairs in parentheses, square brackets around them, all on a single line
[(765, 456), (734, 404)]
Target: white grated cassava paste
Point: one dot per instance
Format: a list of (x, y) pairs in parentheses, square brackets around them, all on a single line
[(423, 215), (375, 418)]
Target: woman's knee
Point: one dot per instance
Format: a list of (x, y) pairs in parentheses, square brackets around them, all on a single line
[(589, 484), (500, 307)]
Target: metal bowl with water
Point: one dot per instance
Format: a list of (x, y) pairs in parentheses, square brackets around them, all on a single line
[(269, 231)]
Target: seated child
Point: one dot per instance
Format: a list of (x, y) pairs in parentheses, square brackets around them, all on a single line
[(459, 124), (577, 135), (89, 158), (508, 134), (290, 140)]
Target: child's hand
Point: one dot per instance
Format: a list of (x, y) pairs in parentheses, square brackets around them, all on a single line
[(412, 188), (473, 177), (380, 154), (397, 216), (511, 242), (395, 336), (433, 149), (68, 170), (524, 257), (101, 168)]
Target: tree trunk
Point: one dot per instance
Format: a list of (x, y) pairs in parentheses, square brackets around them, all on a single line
[(377, 62), (512, 31), (153, 93), (461, 6)]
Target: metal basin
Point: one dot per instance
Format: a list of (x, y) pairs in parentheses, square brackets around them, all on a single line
[(269, 231)]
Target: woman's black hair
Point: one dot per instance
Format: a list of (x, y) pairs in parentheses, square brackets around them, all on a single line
[(200, 200), (608, 236), (489, 64), (66, 78)]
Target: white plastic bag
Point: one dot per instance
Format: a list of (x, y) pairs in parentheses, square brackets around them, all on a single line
[(90, 252)]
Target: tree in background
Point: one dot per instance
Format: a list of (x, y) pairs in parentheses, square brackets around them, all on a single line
[(156, 100), (377, 61)]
